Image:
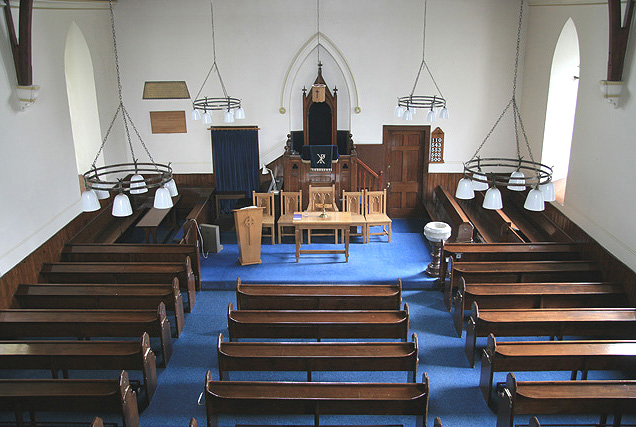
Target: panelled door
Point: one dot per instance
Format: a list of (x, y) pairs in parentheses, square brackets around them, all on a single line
[(406, 150)]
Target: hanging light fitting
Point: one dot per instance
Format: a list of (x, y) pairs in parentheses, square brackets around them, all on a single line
[(203, 106)]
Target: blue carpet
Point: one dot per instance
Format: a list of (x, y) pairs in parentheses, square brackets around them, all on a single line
[(406, 257)]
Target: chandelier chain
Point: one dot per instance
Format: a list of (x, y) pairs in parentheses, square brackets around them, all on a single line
[(423, 64), (492, 129), (140, 138), (110, 127)]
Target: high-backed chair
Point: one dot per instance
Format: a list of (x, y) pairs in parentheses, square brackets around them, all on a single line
[(319, 197), (266, 201), (353, 201), (375, 213), (290, 202)]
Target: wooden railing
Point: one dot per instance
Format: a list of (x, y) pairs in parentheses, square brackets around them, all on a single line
[(367, 178)]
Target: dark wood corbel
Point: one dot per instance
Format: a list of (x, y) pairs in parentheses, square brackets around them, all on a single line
[(21, 47), (618, 37)]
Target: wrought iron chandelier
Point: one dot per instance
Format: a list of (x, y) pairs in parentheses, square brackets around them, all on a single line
[(126, 177), (436, 104), (202, 106), (489, 173)]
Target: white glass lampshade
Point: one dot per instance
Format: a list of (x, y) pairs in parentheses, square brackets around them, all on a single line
[(239, 114), (399, 111), (443, 113), (163, 199), (492, 199), (137, 184), (172, 188), (264, 169), (90, 203), (229, 116), (101, 189), (207, 118), (430, 116), (465, 189), (413, 110), (482, 184), (408, 115), (548, 191), (196, 114), (517, 181), (121, 205), (534, 200)]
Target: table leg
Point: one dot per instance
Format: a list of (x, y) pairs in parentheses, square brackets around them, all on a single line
[(346, 233), (298, 236)]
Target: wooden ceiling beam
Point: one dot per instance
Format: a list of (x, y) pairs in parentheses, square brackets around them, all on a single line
[(21, 47), (619, 35)]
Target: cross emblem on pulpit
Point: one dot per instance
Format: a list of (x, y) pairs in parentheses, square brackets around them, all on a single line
[(249, 222), (321, 158)]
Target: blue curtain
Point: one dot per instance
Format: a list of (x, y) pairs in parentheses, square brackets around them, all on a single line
[(235, 154)]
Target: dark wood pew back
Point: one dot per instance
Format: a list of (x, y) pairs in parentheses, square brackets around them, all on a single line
[(318, 324), (309, 357), (318, 297), (491, 226), (50, 395), (67, 356), (315, 398), (122, 272), (444, 207)]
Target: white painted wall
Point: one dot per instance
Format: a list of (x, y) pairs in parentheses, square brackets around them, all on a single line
[(600, 194)]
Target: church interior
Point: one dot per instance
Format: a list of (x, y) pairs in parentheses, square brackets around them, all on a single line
[(328, 197)]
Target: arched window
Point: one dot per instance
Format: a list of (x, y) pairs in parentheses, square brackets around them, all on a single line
[(561, 106), (82, 99)]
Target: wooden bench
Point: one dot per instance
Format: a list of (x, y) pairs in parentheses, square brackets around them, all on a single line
[(491, 225), (571, 356), (106, 228), (548, 322), (536, 226), (126, 272), (309, 357), (520, 271), (315, 398), (318, 324), (54, 395), (66, 356), (609, 397), (535, 295), (153, 218), (444, 207), (318, 297), (84, 324), (103, 296), (132, 252), (479, 252)]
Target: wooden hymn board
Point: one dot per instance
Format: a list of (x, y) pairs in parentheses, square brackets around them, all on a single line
[(436, 152)]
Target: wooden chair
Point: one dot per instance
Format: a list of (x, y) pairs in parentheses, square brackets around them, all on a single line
[(375, 213), (266, 201), (290, 202), (319, 197), (353, 201)]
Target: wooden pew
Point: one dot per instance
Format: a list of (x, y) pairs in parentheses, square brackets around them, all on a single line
[(535, 225), (132, 252), (609, 397), (444, 207), (571, 356), (535, 295), (309, 357), (491, 226), (84, 324), (318, 297), (550, 322), (520, 271), (103, 296), (54, 395), (67, 356), (479, 252), (318, 324), (315, 398), (126, 272), (106, 228)]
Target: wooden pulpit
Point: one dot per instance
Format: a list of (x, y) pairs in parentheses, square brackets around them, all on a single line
[(248, 223)]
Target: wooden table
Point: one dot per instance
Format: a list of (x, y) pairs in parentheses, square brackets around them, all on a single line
[(151, 220), (311, 221)]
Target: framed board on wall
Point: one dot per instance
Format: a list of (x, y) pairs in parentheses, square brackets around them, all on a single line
[(437, 146)]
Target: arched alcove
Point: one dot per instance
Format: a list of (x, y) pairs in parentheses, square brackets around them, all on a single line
[(561, 106), (82, 99)]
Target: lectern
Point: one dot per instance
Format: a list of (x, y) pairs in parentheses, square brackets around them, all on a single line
[(248, 223)]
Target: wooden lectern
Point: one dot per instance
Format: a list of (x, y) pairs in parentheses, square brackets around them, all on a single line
[(249, 228)]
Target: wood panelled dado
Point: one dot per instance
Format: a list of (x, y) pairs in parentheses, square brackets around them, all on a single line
[(406, 158), (298, 175), (614, 270)]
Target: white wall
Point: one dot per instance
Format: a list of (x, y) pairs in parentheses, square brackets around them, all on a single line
[(40, 192), (600, 194)]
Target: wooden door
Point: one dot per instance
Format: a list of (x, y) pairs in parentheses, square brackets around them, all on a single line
[(406, 149)]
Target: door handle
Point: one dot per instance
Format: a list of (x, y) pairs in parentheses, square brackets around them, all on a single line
[(388, 185)]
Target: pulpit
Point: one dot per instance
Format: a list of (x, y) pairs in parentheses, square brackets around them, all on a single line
[(248, 223)]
